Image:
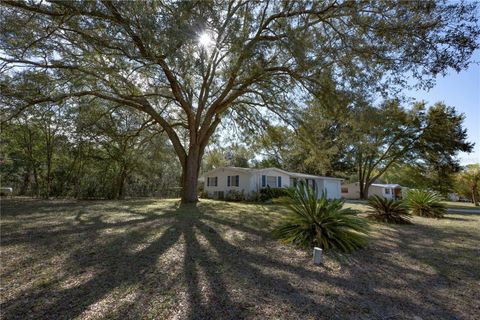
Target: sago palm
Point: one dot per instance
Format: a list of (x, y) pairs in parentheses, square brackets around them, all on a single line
[(321, 222), (388, 210), (425, 203)]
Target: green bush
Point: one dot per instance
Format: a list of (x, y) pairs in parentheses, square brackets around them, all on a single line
[(234, 195), (273, 193), (278, 192), (265, 195), (321, 222), (388, 210), (425, 203), (203, 194)]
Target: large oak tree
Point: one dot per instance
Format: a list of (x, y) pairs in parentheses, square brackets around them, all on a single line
[(369, 140), (391, 134), (187, 64)]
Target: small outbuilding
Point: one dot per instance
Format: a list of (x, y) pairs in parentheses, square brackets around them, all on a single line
[(388, 191)]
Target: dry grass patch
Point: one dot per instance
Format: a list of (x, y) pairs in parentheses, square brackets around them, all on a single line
[(460, 205), (152, 259)]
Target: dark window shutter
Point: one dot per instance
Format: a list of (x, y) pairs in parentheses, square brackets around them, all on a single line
[(228, 181), (216, 181), (237, 181), (279, 182), (208, 181), (264, 180)]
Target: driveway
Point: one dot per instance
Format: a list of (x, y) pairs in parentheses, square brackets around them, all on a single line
[(459, 210)]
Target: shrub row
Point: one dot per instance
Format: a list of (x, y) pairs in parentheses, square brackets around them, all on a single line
[(263, 195), (419, 202)]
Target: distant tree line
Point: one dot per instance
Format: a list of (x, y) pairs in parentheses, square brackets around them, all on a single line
[(94, 151)]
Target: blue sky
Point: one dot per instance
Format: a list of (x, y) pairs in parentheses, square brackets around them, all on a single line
[(462, 91)]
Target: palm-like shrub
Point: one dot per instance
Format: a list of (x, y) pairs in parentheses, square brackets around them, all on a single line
[(321, 222), (425, 203), (388, 210)]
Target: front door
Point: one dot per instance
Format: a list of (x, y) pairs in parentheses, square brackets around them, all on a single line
[(397, 193)]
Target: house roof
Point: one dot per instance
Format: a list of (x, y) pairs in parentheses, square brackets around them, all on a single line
[(239, 169), (311, 176), (291, 174), (386, 185)]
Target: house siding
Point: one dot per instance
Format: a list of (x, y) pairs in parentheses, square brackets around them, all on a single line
[(354, 191), (244, 182), (275, 173), (251, 181), (332, 189)]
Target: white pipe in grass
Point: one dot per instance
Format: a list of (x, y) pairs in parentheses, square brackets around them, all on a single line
[(317, 255)]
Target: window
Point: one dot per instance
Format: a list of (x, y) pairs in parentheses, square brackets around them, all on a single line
[(233, 181), (311, 183), (293, 182), (212, 181), (271, 181), (387, 191), (344, 190)]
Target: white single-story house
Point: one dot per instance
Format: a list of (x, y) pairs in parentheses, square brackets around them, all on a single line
[(388, 191), (249, 181)]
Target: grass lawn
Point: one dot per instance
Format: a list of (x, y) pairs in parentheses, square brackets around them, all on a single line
[(151, 259), (460, 205), (360, 205)]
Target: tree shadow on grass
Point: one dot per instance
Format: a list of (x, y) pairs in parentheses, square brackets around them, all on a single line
[(115, 266), (181, 262), (446, 250)]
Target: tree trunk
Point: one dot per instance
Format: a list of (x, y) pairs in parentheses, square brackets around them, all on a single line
[(364, 191), (26, 182), (49, 146), (363, 186), (36, 191), (474, 196), (121, 183), (49, 173), (190, 175)]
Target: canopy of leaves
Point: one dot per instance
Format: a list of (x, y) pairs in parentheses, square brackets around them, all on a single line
[(467, 182), (369, 140), (233, 155), (260, 55)]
